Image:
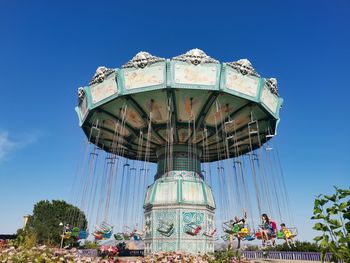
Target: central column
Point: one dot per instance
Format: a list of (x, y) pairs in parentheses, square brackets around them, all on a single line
[(178, 158), (179, 206)]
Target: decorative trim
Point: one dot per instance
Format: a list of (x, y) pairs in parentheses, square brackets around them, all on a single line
[(271, 84), (101, 74), (142, 60), (244, 67), (195, 57), (81, 94)]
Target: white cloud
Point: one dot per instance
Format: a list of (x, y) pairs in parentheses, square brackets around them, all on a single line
[(10, 144)]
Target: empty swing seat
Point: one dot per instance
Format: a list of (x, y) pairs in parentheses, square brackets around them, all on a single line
[(83, 234)]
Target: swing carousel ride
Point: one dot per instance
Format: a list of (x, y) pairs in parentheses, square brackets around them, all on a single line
[(207, 125)]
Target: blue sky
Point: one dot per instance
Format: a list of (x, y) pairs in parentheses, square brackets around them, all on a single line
[(48, 50)]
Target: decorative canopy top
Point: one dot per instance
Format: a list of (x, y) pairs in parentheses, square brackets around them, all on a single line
[(81, 93), (196, 57), (272, 85), (244, 66), (204, 101), (142, 60), (101, 73)]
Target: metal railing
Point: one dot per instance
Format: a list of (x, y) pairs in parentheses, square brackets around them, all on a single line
[(307, 256)]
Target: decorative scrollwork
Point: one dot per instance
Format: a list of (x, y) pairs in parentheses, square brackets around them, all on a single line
[(81, 93), (271, 84), (142, 60), (244, 66), (196, 57), (101, 74)]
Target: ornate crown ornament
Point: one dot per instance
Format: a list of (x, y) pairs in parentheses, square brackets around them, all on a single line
[(196, 57), (272, 85), (81, 94), (142, 60), (244, 66), (101, 74)]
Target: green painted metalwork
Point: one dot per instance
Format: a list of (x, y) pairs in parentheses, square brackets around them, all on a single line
[(208, 100)]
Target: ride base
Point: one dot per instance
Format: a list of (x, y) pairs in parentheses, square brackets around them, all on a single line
[(179, 205)]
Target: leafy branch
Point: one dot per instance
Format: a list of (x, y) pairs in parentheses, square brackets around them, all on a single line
[(333, 215)]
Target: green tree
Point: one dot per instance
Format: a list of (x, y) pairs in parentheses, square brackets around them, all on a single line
[(46, 219), (333, 215)]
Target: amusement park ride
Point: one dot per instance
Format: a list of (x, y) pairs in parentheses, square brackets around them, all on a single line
[(184, 114)]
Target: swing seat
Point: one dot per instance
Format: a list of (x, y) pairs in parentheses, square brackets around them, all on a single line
[(118, 236), (225, 237), (126, 236), (136, 237), (83, 234), (280, 235), (288, 234), (65, 236), (249, 238), (210, 234), (258, 235), (105, 227), (243, 233), (98, 236), (75, 229), (107, 235), (228, 231), (75, 232)]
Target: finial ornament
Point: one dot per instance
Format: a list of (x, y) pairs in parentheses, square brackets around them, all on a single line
[(244, 66), (272, 85), (81, 93), (100, 75), (142, 60), (195, 57)]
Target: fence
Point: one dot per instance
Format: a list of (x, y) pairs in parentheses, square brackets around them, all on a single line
[(307, 256)]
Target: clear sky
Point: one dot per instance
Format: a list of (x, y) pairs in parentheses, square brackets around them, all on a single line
[(48, 50)]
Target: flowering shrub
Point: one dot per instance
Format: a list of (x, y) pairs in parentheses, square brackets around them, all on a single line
[(42, 254)]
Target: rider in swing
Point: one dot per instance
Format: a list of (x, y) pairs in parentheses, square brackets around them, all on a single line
[(267, 230), (239, 222)]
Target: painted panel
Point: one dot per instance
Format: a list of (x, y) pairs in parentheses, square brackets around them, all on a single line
[(116, 127), (195, 75), (166, 193), (190, 103), (192, 192), (243, 84), (149, 76), (123, 109), (104, 90), (155, 102), (83, 108), (269, 99), (184, 134), (224, 106), (210, 197), (163, 218), (148, 194)]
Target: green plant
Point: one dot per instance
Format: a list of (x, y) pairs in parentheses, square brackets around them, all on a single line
[(333, 215), (91, 245)]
